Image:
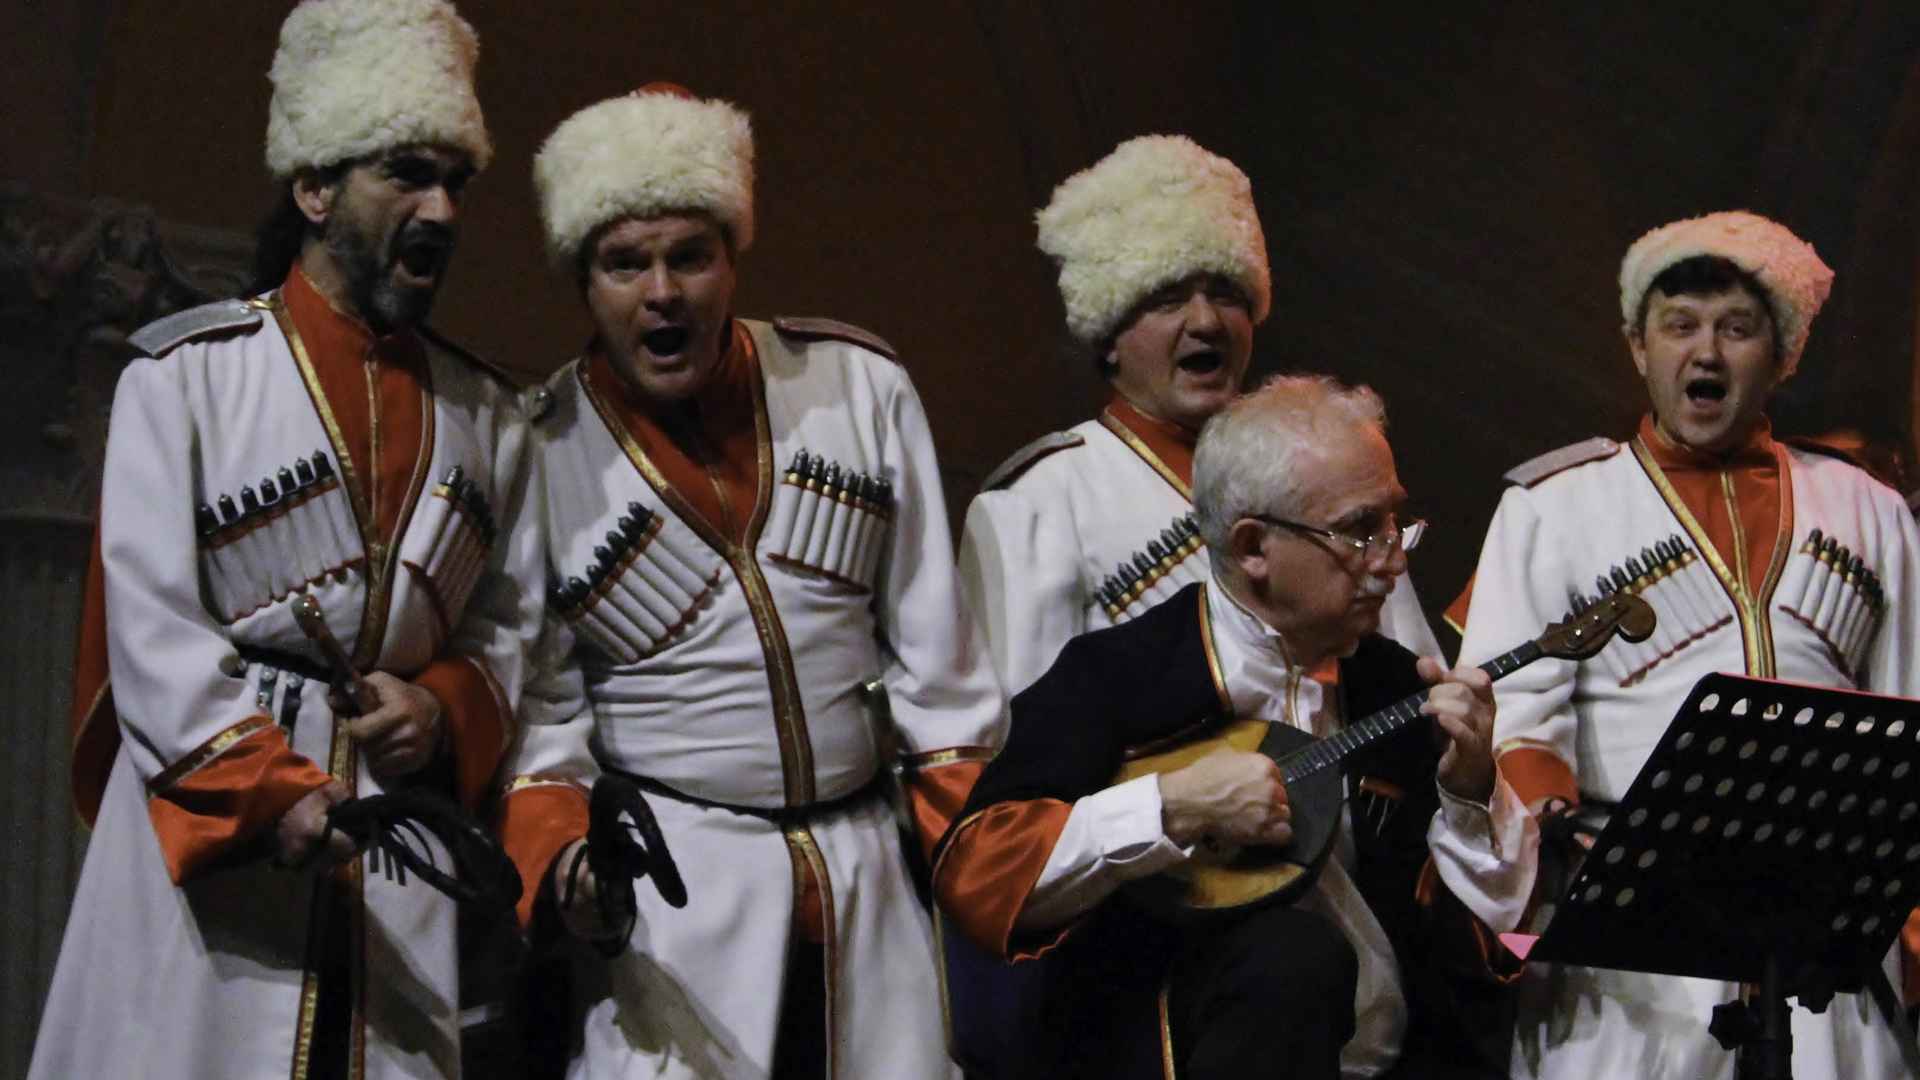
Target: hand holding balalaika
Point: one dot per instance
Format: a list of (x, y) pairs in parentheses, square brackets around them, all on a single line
[(1232, 871)]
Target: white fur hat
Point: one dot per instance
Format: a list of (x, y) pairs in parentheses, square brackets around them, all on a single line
[(1157, 210), (355, 77), (658, 150), (1795, 279)]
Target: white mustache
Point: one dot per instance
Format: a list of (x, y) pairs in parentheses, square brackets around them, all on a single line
[(1374, 588)]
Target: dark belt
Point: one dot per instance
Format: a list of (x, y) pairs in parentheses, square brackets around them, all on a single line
[(785, 817), (286, 661)]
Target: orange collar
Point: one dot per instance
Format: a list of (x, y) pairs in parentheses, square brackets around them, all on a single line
[(1171, 443), (1756, 452), (328, 331)]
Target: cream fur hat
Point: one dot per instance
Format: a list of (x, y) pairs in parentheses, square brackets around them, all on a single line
[(354, 77), (658, 150), (1795, 279), (1157, 210)]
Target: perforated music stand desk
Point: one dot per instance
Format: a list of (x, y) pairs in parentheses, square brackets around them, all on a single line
[(1773, 837)]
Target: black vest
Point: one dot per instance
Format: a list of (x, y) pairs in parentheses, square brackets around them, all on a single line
[(1149, 680)]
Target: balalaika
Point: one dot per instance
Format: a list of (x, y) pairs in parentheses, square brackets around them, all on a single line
[(1222, 878)]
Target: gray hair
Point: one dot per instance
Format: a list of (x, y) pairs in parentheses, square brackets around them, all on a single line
[(1247, 461)]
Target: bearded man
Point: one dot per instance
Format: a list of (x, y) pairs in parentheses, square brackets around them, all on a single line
[(316, 441), (1163, 272)]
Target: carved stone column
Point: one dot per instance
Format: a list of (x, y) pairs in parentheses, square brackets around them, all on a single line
[(75, 279)]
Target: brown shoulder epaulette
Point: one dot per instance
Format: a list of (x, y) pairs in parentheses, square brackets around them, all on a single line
[(1554, 461), (806, 329), (1025, 457)]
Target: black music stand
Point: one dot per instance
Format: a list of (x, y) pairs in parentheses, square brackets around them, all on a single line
[(1773, 838)]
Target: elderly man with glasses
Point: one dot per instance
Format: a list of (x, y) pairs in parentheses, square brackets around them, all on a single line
[(1374, 969)]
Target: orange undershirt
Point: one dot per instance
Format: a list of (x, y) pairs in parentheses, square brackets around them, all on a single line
[(372, 384), (1172, 443), (708, 445), (1734, 495)]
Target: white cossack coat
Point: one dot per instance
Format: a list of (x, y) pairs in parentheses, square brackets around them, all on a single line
[(1604, 716), (211, 979), (730, 673)]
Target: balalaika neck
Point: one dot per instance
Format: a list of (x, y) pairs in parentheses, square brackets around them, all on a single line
[(1335, 748)]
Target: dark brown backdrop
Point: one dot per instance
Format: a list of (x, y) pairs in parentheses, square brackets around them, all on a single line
[(1446, 188)]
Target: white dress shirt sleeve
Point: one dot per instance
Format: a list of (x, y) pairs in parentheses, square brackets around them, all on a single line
[(1487, 855), (1111, 837)]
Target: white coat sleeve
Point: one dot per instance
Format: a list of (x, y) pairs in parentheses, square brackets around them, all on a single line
[(217, 772), (1403, 620), (939, 682), (501, 621), (1890, 666), (1021, 565), (1521, 586)]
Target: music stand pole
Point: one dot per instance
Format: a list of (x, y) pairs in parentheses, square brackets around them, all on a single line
[(1767, 1054)]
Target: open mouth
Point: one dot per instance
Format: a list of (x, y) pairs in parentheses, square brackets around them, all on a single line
[(1202, 363), (1705, 390), (423, 258), (667, 340)]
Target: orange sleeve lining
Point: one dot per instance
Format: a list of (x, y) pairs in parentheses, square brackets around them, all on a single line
[(989, 869), (536, 821), (936, 795), (476, 717), (1536, 773), (231, 799)]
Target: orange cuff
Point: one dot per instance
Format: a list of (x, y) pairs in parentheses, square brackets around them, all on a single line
[(1536, 773), (989, 868), (477, 718), (535, 820), (250, 778), (936, 794)]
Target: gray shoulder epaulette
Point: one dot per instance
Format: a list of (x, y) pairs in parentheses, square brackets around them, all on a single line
[(805, 329), (1024, 458), (498, 373), (162, 336), (1553, 461)]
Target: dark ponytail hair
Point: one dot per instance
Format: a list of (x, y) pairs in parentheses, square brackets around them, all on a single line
[(277, 240)]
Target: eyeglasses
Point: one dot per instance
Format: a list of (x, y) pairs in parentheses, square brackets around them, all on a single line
[(1376, 548)]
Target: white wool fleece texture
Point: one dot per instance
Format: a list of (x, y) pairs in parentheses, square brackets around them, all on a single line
[(1157, 210), (1796, 281), (356, 77), (641, 156)]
